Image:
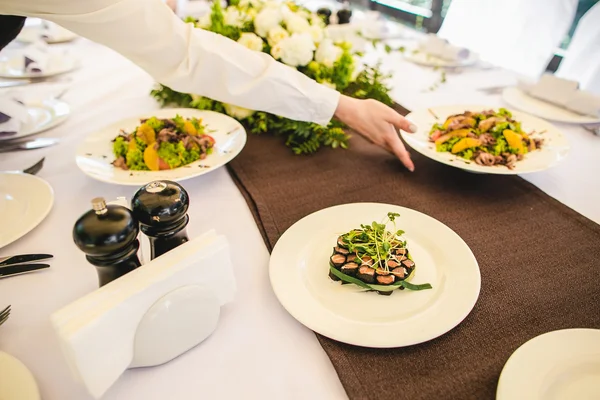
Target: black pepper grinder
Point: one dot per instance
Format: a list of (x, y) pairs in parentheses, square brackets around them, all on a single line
[(344, 15), (325, 14), (161, 209), (107, 234)]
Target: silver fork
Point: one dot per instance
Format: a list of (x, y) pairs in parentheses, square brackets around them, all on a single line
[(4, 314)]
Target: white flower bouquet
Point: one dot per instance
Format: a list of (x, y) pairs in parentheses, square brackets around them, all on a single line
[(298, 38)]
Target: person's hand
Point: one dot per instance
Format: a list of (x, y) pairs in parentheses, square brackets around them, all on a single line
[(378, 123)]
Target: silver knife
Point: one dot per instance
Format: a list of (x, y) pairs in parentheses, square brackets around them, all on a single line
[(13, 270), (23, 259), (28, 145)]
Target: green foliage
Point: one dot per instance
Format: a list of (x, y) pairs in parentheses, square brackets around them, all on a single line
[(301, 137)]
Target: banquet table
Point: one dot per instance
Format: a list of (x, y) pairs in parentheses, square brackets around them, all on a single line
[(258, 349)]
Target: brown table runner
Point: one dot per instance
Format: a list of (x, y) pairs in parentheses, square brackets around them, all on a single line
[(539, 259)]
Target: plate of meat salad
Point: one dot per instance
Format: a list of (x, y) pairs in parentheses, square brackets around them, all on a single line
[(168, 144), (482, 139), (374, 275)]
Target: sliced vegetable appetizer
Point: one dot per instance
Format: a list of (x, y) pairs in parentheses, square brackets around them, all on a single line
[(374, 259)]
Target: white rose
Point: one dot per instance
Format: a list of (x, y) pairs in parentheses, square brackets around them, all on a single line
[(250, 4), (328, 84), (276, 35), (297, 24), (251, 41), (328, 53), (234, 17), (204, 22), (297, 50), (237, 112), (317, 33), (277, 51), (315, 20), (266, 20)]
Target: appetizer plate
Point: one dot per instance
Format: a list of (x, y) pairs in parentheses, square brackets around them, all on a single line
[(25, 200), (299, 268), (17, 380), (563, 364), (95, 154), (10, 67), (555, 147), (43, 115), (520, 100), (422, 58)]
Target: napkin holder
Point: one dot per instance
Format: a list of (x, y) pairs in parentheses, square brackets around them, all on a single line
[(149, 316)]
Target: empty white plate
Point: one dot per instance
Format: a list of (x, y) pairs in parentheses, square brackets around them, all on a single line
[(17, 381), (299, 273), (25, 200), (518, 99), (43, 115), (11, 67), (555, 147), (95, 155), (422, 58), (558, 365)]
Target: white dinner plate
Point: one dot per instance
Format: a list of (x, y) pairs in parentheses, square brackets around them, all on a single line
[(95, 155), (554, 149), (34, 33), (428, 60), (43, 115), (520, 100), (558, 365), (17, 381), (11, 67), (25, 200), (299, 269)]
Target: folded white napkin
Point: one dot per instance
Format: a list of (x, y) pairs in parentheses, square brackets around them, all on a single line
[(35, 58), (52, 32), (441, 48), (13, 115), (563, 93), (100, 333)]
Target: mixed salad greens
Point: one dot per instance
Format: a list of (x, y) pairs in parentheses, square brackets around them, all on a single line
[(159, 144), (487, 137), (374, 259)]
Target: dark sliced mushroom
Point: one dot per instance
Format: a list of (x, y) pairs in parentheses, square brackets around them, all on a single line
[(399, 272), (366, 260), (381, 271), (341, 250), (337, 260), (393, 264), (401, 252), (408, 263), (385, 279), (351, 258), (350, 268), (366, 274), (342, 243), (333, 277)]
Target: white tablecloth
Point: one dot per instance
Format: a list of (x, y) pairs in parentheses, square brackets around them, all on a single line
[(258, 350)]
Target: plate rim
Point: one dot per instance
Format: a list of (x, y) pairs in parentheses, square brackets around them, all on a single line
[(76, 63), (471, 60), (49, 104), (510, 367), (25, 373), (492, 170), (79, 153), (42, 216), (560, 120), (332, 335)]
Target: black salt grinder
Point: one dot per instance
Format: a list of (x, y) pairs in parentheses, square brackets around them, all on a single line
[(161, 209), (344, 15), (107, 234)]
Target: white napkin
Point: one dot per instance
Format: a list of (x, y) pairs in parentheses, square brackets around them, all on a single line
[(441, 48), (35, 58), (55, 33), (13, 114), (563, 93), (97, 331)]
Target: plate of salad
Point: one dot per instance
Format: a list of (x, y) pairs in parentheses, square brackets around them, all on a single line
[(374, 275), (171, 144), (484, 139)]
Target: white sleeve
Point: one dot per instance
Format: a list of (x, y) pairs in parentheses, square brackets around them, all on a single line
[(187, 59)]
